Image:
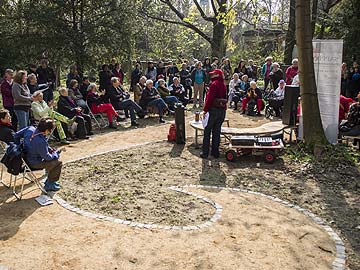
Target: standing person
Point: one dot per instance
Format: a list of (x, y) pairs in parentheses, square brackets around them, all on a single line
[(46, 75), (32, 69), (105, 76), (215, 105), (178, 90), (7, 97), (112, 64), (73, 75), (292, 71), (207, 67), (135, 76), (241, 68), (22, 98), (185, 80), (198, 77), (172, 72), (119, 73), (151, 72), (226, 68), (276, 75), (344, 77), (215, 63), (252, 70), (266, 70), (161, 70)]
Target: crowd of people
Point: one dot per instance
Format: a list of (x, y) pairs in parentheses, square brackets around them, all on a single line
[(31, 114)]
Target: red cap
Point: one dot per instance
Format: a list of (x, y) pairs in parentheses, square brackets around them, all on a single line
[(217, 71)]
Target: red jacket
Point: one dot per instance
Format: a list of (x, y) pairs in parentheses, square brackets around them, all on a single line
[(216, 90), (344, 107), (291, 72), (119, 74), (8, 100)]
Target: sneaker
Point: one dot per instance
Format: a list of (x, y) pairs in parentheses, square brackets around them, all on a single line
[(84, 138), (51, 186), (161, 120), (65, 142)]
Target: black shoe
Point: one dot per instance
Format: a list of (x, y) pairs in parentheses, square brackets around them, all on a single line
[(141, 114), (111, 125), (84, 138), (171, 112), (161, 120), (243, 112), (90, 133), (215, 156), (134, 124), (202, 155)]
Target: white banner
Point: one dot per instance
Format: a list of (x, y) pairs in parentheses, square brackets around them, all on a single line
[(327, 63)]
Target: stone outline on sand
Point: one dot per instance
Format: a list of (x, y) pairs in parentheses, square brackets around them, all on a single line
[(340, 258)]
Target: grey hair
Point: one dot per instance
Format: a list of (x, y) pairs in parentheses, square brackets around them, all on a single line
[(148, 82), (252, 83), (161, 81), (114, 79), (176, 78), (91, 86), (295, 60), (143, 78), (276, 64), (31, 76)]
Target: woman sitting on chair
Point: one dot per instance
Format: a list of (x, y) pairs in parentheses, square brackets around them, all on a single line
[(75, 94), (151, 98), (97, 104), (41, 109)]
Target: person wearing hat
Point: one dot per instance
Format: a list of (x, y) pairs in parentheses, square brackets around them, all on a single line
[(41, 109), (215, 105)]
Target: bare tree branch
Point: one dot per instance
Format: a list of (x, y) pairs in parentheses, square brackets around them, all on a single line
[(202, 13)]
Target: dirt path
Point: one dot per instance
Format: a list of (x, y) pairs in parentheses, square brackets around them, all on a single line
[(253, 232)]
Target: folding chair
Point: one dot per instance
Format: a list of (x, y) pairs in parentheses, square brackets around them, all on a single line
[(30, 176), (7, 185), (104, 123)]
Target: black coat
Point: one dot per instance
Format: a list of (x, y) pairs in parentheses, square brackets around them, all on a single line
[(6, 133), (147, 96), (116, 95), (66, 107)]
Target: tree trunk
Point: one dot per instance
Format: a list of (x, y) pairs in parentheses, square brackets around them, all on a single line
[(218, 41), (313, 131), (290, 35)]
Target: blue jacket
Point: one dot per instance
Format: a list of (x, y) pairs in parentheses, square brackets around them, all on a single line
[(36, 146)]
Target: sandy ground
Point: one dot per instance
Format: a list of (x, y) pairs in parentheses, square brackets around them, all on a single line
[(253, 233)]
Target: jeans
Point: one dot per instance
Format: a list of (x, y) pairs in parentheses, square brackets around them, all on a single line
[(216, 119), (171, 100), (23, 118), (130, 106), (158, 103)]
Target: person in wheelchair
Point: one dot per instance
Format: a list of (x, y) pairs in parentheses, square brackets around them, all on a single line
[(41, 109), (253, 99), (151, 98), (276, 98), (234, 90)]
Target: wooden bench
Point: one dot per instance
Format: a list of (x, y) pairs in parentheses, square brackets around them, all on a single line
[(227, 132)]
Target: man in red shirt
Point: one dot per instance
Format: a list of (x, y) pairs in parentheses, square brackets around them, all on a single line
[(215, 105)]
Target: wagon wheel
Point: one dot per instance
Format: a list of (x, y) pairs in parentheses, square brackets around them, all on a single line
[(231, 155), (269, 157)]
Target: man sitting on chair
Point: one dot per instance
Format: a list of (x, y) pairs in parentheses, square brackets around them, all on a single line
[(66, 106), (7, 131), (41, 109), (39, 155), (120, 99)]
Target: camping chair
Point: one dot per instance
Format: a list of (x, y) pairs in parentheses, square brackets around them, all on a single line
[(30, 176), (102, 122), (7, 185)]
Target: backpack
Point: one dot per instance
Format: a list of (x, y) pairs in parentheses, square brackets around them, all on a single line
[(13, 158)]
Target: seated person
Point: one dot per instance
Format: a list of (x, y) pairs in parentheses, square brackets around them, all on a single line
[(34, 86), (277, 98), (7, 131), (40, 110), (120, 99), (97, 104), (39, 155), (151, 98), (178, 90), (254, 93), (67, 107), (234, 88), (344, 107), (83, 88), (75, 94), (165, 94), (351, 126), (139, 88), (244, 85)]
